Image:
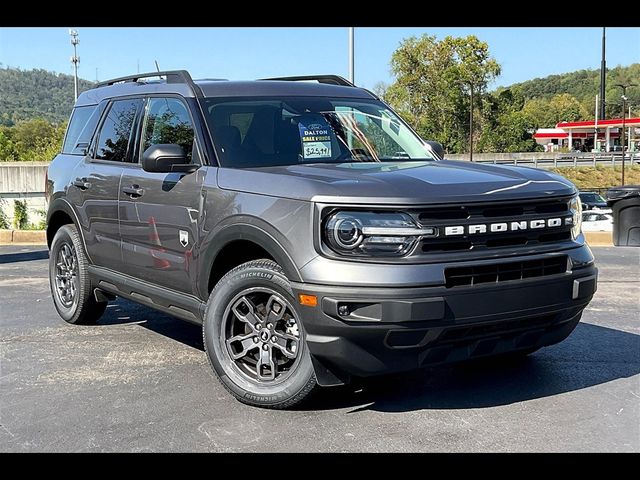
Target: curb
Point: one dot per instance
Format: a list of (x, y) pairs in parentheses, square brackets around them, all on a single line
[(23, 237), (599, 239)]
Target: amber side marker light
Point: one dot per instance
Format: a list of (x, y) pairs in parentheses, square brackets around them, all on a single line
[(308, 300)]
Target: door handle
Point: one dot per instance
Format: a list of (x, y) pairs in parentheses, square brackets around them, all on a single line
[(82, 184), (133, 191)]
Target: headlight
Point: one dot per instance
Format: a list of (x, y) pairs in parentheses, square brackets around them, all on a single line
[(373, 233), (575, 206)]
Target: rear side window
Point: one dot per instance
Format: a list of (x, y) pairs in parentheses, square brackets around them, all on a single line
[(117, 129), (77, 124)]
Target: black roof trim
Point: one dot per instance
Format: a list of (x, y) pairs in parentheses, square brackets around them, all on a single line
[(329, 79)]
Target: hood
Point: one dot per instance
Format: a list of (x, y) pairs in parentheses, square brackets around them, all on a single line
[(397, 182)]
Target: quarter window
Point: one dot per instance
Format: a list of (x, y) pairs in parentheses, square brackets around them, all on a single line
[(79, 120), (116, 131), (168, 121)]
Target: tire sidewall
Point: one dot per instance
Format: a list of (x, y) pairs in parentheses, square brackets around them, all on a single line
[(63, 237), (246, 390), (85, 308)]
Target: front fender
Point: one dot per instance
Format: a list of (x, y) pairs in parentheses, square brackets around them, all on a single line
[(247, 228)]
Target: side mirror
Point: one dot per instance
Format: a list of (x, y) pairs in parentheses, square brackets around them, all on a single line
[(436, 147), (166, 158)]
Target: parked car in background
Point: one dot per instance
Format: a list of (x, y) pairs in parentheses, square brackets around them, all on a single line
[(597, 221), (592, 200)]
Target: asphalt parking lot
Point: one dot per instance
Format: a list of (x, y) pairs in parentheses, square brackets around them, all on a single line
[(139, 381)]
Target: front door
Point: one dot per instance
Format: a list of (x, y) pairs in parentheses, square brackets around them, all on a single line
[(96, 182), (160, 212)]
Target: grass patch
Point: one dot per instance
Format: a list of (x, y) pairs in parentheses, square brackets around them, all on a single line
[(600, 176)]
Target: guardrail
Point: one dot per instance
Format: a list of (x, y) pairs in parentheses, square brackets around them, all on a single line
[(554, 160)]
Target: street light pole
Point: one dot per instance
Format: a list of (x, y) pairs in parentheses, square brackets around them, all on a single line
[(624, 117), (75, 60), (603, 73)]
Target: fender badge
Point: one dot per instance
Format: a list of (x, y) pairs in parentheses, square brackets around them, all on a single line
[(184, 238)]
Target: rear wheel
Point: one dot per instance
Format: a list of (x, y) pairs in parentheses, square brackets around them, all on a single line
[(254, 339), (69, 279)]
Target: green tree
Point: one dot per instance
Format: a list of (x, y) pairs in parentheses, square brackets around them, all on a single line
[(430, 89), (32, 140), (27, 94), (7, 148), (504, 127), (546, 113), (584, 85)]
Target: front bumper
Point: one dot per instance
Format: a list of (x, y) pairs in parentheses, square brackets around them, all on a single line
[(395, 329)]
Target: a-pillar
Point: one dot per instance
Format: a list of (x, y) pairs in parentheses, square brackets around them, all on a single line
[(570, 140), (607, 146)]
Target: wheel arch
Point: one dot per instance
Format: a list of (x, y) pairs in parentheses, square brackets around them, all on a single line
[(239, 235), (61, 213)]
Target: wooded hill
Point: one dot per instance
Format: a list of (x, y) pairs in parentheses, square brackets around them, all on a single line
[(585, 84), (38, 93), (28, 94)]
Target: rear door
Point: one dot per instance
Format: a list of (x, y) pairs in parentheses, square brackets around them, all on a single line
[(96, 181), (159, 220)]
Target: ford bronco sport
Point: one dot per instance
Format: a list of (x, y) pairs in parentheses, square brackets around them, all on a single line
[(309, 230)]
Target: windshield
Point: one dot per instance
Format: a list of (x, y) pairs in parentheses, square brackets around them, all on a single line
[(263, 132), (591, 197)]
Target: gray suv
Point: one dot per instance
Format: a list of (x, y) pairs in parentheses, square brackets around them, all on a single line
[(309, 230)]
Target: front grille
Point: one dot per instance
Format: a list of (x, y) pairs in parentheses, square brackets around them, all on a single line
[(488, 213), (502, 272)]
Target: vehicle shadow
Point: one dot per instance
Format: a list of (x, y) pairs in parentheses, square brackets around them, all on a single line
[(123, 311), (24, 256), (590, 356)]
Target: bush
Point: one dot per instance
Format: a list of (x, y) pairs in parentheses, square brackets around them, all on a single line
[(4, 220), (20, 214)]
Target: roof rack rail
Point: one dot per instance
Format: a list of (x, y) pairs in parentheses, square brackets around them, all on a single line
[(172, 76), (329, 79)]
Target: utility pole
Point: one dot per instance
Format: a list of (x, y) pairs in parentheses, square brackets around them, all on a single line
[(471, 124), (624, 117), (351, 55), (595, 135), (75, 60), (469, 84), (603, 74)]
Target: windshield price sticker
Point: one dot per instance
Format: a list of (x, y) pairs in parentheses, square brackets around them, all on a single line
[(316, 140)]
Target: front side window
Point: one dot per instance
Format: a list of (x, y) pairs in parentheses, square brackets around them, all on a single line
[(116, 131), (263, 132), (168, 121)]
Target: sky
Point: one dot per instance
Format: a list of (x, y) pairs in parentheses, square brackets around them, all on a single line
[(249, 53)]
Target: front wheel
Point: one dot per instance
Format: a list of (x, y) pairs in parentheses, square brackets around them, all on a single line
[(254, 339)]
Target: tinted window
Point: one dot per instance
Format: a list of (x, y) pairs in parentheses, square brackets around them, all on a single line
[(117, 128), (262, 132), (168, 121), (591, 197), (78, 122)]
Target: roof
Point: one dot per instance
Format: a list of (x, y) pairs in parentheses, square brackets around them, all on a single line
[(550, 133), (223, 88), (613, 122)]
